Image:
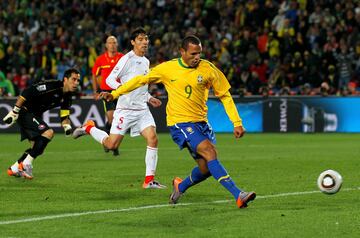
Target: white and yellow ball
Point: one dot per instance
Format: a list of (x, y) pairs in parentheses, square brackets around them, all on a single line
[(329, 181)]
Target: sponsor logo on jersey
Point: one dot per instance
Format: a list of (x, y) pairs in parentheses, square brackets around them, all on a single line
[(41, 87)]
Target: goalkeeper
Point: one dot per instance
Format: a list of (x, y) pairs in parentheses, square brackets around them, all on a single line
[(28, 110)]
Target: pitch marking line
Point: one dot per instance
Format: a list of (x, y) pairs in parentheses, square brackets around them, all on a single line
[(52, 217)]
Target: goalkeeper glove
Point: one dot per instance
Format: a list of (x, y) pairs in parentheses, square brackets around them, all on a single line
[(12, 116), (67, 129)]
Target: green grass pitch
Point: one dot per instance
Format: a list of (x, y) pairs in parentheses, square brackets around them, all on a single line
[(79, 191)]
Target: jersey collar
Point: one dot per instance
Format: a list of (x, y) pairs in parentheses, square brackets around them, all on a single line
[(182, 64)]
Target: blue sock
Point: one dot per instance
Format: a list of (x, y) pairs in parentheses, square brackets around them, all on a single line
[(221, 175), (195, 177)]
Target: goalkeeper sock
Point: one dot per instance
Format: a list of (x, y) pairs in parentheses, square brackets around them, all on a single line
[(28, 160), (220, 174), (15, 167), (21, 159), (195, 177)]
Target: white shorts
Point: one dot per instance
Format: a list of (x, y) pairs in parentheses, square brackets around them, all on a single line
[(136, 121)]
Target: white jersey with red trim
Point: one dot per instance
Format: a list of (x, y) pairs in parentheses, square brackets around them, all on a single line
[(129, 66)]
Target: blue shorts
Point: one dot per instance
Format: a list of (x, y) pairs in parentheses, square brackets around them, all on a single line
[(191, 134)]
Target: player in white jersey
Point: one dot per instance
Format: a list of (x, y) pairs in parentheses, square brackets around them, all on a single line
[(132, 112)]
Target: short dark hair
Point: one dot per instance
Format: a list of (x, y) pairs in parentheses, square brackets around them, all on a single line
[(69, 72), (137, 32), (190, 39)]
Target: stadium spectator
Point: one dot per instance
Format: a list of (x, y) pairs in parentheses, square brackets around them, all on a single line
[(352, 89), (278, 21), (273, 46), (261, 68), (344, 64), (297, 69), (332, 80), (7, 88), (262, 42)]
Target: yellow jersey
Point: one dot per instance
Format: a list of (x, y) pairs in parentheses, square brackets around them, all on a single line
[(188, 90)]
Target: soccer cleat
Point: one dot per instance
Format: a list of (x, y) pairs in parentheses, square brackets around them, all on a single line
[(26, 171), (78, 132), (244, 198), (153, 184), (176, 194), (81, 131), (11, 172)]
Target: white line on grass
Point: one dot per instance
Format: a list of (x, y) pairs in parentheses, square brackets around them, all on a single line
[(169, 148), (52, 217)]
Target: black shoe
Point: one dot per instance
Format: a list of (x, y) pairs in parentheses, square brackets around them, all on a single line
[(116, 152), (106, 150)]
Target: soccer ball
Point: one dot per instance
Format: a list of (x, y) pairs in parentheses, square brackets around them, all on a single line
[(329, 181)]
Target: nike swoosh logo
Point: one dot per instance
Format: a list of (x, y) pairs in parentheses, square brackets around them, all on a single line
[(173, 80)]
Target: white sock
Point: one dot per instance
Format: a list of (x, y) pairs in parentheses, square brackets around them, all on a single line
[(98, 134), (151, 159), (28, 160), (15, 167)]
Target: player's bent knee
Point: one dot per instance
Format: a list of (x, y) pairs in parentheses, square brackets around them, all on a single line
[(207, 150), (49, 134), (150, 136), (153, 141)]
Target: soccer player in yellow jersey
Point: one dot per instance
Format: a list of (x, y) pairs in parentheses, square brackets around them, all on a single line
[(187, 81)]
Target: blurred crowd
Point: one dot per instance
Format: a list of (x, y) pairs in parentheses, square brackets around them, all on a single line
[(264, 47)]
